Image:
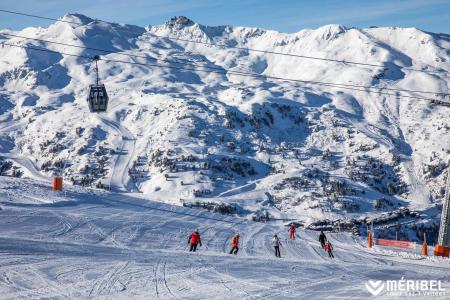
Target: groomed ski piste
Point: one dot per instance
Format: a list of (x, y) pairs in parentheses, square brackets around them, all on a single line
[(84, 243)]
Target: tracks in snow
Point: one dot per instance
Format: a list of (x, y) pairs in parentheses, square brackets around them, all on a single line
[(27, 164), (160, 277), (104, 285), (120, 248), (119, 179)]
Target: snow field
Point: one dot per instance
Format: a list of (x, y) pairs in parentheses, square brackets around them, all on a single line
[(107, 245)]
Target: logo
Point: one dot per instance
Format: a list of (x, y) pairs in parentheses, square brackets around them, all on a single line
[(375, 287), (406, 288)]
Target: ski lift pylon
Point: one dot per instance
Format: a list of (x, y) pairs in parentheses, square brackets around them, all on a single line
[(97, 97)]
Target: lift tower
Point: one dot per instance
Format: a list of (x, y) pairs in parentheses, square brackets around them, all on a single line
[(443, 246)]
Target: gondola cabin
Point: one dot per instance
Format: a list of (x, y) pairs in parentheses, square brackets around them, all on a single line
[(97, 98)]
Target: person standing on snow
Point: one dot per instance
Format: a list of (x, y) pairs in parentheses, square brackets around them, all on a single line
[(329, 249), (276, 244), (322, 239), (194, 240), (234, 244), (292, 232)]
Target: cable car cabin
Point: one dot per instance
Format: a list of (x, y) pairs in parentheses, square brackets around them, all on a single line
[(97, 98)]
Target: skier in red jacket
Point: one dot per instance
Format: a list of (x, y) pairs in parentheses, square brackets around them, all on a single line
[(194, 240), (329, 249), (235, 244), (292, 232)]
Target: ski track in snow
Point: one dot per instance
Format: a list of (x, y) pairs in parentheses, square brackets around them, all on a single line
[(28, 164), (23, 161), (119, 179), (116, 246)]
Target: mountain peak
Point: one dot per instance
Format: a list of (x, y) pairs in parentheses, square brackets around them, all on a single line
[(180, 21), (331, 31), (77, 18)]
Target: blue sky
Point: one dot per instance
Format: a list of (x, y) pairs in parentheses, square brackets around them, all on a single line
[(280, 15)]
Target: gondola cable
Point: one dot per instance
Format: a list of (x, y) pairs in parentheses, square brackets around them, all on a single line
[(260, 76), (213, 68)]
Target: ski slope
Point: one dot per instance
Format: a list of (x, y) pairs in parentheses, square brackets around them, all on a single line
[(27, 164), (90, 244), (119, 179)]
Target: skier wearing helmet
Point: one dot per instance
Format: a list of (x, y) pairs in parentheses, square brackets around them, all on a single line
[(194, 240), (235, 244)]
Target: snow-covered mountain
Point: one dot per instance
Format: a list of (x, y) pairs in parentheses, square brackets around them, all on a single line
[(291, 149)]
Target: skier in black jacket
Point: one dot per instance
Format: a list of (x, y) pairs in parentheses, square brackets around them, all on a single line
[(322, 239)]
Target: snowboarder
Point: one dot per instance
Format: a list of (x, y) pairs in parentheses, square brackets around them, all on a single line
[(329, 249), (322, 239), (194, 240), (292, 232), (276, 244), (234, 244)]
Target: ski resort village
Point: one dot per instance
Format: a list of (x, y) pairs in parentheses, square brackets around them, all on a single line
[(188, 161)]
